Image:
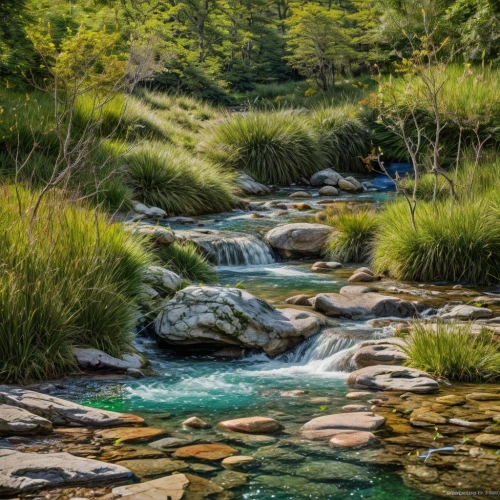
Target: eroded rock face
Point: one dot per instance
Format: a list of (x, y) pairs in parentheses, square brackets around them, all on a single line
[(393, 378), (217, 316), (94, 359), (20, 472), (62, 412), (363, 305), (299, 238), (15, 421)]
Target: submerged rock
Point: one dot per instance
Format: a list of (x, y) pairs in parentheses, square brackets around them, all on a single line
[(325, 266), (300, 194), (205, 451), (16, 421), (154, 467), (363, 305), (299, 238), (252, 425), (174, 487), (299, 300), (195, 423), (62, 412), (362, 277), (217, 316), (393, 378), (242, 462), (328, 191), (131, 434), (353, 440), (21, 472)]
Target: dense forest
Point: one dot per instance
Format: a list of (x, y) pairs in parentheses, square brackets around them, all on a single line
[(212, 48)]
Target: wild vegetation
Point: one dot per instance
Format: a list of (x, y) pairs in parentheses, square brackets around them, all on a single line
[(454, 352)]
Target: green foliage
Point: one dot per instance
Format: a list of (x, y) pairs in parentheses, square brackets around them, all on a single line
[(343, 137), (177, 181), (69, 278), (451, 241), (355, 230), (187, 261), (277, 148), (454, 352)]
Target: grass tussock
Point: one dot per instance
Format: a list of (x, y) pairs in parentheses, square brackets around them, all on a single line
[(186, 260), (68, 278), (343, 138), (355, 230), (453, 352), (178, 181), (275, 148), (451, 241)]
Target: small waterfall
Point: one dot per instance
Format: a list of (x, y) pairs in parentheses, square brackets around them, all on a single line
[(241, 250), (326, 352), (229, 248)]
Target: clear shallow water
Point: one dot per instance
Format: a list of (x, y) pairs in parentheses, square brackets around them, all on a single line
[(216, 390)]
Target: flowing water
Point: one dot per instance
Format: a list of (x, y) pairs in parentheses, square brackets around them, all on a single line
[(216, 389)]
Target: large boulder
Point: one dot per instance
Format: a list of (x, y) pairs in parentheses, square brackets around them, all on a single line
[(21, 472), (327, 176), (393, 378), (212, 316), (363, 305), (62, 412), (299, 238), (16, 421), (251, 186)]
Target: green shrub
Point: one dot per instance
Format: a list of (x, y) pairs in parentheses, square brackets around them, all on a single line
[(343, 137), (187, 261), (425, 188), (452, 241), (275, 148), (454, 352), (177, 181), (69, 278), (353, 240)]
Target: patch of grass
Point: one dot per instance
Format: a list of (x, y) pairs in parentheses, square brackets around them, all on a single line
[(453, 352), (187, 261), (69, 278), (274, 148), (177, 181), (353, 239), (343, 137), (452, 241)]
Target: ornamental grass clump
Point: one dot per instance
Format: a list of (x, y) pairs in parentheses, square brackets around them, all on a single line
[(353, 239), (454, 352), (177, 181), (68, 277), (185, 259), (450, 241), (343, 138), (274, 148)]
